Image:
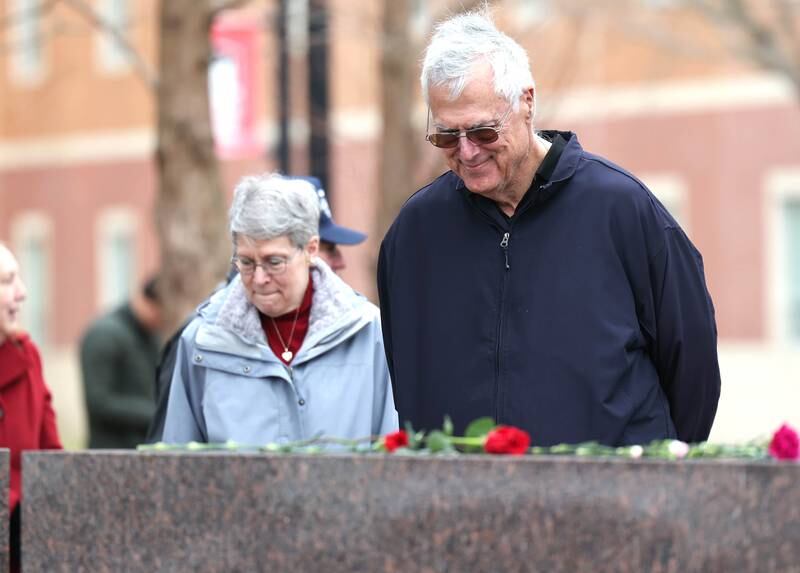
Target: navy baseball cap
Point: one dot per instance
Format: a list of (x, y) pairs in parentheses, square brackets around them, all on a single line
[(329, 231)]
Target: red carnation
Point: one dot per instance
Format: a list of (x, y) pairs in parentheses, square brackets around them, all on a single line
[(395, 440), (785, 444), (507, 440)]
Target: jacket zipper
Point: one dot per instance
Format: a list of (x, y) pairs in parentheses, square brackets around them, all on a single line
[(504, 246)]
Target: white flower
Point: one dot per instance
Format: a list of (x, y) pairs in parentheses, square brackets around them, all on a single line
[(636, 452), (678, 449)]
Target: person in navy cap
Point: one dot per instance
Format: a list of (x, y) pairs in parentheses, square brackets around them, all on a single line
[(331, 236)]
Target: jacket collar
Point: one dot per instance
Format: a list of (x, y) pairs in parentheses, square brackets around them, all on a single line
[(539, 191), (334, 306), (14, 361), (564, 169), (570, 156)]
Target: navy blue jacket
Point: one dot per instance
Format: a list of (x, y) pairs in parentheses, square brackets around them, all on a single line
[(583, 317)]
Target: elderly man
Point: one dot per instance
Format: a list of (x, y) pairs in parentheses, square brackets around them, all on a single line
[(535, 282)]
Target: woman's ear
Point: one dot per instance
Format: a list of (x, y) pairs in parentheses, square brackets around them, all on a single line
[(312, 248)]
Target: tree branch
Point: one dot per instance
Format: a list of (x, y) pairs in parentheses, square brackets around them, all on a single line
[(788, 19), (142, 69), (761, 45), (12, 18)]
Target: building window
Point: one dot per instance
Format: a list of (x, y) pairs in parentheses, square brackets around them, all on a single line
[(782, 225), (31, 234), (27, 54), (660, 4), (226, 101), (116, 257), (420, 19), (792, 261), (672, 193), (112, 54), (297, 27)]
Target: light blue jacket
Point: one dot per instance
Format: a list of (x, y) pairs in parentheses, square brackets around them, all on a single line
[(229, 385)]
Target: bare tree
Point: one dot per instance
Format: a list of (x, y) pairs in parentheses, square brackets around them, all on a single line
[(398, 152), (141, 68), (401, 52), (765, 32), (191, 206), (190, 211)]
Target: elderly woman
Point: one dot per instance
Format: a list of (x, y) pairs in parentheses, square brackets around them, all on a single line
[(27, 420), (287, 350)]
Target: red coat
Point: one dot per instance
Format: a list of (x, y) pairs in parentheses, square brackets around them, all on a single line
[(27, 420)]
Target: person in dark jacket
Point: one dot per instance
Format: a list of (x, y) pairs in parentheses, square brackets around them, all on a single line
[(119, 354), (331, 237), (535, 282), (27, 418)]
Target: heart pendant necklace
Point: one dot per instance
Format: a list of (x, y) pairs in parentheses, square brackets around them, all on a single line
[(287, 354)]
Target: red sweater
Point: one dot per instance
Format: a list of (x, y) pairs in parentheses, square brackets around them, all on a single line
[(284, 324), (27, 419)]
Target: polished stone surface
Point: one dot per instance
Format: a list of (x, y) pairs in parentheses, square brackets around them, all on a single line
[(5, 468), (123, 511)]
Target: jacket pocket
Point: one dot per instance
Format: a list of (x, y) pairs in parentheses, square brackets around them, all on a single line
[(244, 408)]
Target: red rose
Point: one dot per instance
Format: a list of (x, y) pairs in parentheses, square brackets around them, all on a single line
[(395, 440), (785, 444), (507, 440)]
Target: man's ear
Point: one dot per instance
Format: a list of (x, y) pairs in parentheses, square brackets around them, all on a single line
[(529, 99)]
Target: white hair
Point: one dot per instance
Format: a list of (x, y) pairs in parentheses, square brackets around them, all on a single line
[(268, 206), (460, 42)]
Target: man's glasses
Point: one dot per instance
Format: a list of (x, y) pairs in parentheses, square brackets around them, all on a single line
[(272, 266), (483, 135)]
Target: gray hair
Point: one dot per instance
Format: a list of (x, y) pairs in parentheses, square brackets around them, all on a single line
[(270, 205), (460, 42)]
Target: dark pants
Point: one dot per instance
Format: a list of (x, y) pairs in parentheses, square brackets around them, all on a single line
[(14, 548)]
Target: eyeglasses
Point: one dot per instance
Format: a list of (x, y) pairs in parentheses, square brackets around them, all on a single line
[(483, 135), (273, 266)]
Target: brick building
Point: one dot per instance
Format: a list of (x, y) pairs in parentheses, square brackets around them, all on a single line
[(717, 140)]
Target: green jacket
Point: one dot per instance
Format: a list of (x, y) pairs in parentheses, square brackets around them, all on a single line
[(118, 360)]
